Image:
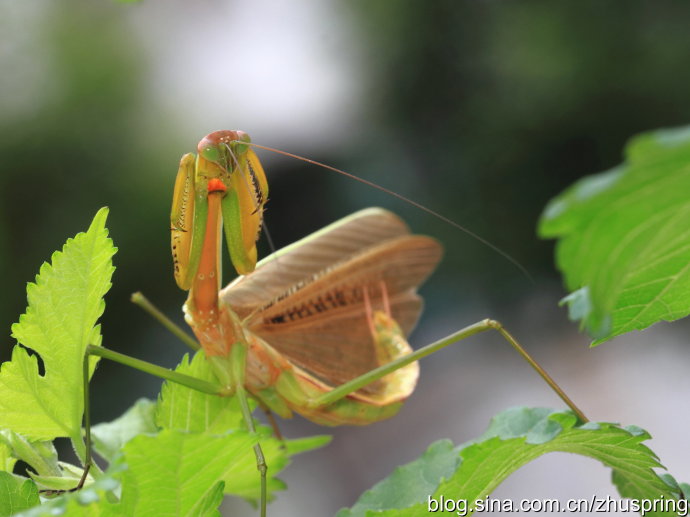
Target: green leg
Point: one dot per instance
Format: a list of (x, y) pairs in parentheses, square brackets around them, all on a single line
[(481, 326), (144, 366), (274, 425), (139, 299)]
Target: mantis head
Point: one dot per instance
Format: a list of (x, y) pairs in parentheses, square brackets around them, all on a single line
[(226, 168)]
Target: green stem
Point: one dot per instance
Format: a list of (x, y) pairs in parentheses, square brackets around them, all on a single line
[(481, 326), (139, 299)]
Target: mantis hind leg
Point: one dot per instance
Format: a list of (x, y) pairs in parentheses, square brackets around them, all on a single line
[(488, 324)]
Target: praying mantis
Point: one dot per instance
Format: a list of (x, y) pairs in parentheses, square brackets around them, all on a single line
[(305, 318), (317, 328)]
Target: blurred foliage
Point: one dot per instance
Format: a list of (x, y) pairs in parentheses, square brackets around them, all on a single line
[(488, 108), (78, 147), (623, 245)]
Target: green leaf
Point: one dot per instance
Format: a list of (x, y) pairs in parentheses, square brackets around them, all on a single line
[(66, 480), (7, 460), (41, 456), (171, 473), (685, 488), (64, 304), (515, 437), (185, 409), (623, 238), (109, 438), (178, 473), (410, 483), (16, 494), (243, 478), (180, 407), (90, 501), (629, 486), (309, 443)]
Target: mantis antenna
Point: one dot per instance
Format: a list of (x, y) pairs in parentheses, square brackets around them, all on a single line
[(405, 199)]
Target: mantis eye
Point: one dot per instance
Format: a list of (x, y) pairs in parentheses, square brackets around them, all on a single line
[(242, 136), (210, 153), (239, 142)]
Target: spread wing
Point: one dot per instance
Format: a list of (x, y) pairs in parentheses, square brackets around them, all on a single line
[(308, 300)]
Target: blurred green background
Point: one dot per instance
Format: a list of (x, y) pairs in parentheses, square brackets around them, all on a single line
[(481, 111)]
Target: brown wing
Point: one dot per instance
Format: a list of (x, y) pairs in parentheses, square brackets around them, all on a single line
[(300, 262), (319, 318)]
